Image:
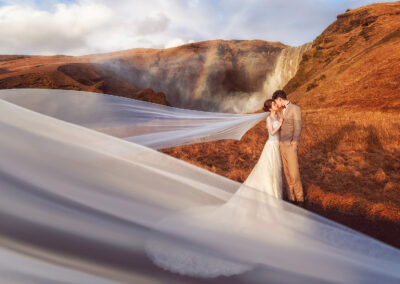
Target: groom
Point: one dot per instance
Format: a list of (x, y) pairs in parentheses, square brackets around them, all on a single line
[(289, 145)]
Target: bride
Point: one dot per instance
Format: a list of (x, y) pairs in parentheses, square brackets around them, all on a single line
[(266, 175), (250, 204)]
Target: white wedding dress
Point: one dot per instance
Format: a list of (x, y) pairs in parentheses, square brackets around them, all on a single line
[(249, 207), (266, 174)]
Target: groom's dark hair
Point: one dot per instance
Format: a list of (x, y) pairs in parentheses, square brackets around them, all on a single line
[(279, 94)]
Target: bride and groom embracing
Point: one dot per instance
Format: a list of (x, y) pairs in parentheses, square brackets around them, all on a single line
[(280, 150), (252, 228), (251, 211)]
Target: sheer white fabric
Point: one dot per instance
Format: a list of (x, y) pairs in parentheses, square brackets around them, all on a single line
[(145, 123), (236, 216), (88, 203)]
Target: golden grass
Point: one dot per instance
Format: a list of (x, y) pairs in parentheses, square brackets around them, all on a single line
[(349, 163), (350, 166), (352, 152), (350, 130)]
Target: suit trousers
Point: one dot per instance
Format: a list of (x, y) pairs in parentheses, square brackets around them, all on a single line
[(291, 170)]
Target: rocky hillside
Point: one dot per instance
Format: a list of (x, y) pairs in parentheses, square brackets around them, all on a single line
[(354, 64), (348, 85), (70, 73)]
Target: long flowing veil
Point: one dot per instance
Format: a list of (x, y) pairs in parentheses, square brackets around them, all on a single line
[(78, 202), (152, 125)]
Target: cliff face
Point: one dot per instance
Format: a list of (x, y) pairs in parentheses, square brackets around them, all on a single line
[(226, 76), (354, 64), (213, 75)]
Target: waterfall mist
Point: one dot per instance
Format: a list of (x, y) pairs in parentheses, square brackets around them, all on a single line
[(285, 68), (221, 76)]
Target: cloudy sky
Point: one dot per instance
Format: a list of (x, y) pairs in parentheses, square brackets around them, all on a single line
[(76, 27)]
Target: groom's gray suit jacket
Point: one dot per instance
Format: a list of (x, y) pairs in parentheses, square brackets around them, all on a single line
[(291, 126)]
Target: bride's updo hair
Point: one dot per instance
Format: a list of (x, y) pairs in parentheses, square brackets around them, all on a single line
[(268, 105)]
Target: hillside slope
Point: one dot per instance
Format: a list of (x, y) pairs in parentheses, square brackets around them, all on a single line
[(348, 86), (70, 73), (354, 64)]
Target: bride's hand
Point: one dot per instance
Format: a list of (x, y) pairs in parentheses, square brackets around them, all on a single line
[(280, 121)]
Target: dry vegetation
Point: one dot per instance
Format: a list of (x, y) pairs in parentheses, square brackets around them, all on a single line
[(348, 86), (349, 70), (350, 166)]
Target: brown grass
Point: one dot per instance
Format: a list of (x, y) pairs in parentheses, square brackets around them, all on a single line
[(354, 63), (349, 162), (350, 165)]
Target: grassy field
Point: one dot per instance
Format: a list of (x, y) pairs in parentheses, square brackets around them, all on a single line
[(349, 163)]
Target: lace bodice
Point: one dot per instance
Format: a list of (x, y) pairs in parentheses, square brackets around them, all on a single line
[(275, 137)]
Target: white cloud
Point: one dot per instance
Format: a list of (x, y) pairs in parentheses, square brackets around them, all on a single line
[(175, 42), (67, 28), (89, 26), (154, 23)]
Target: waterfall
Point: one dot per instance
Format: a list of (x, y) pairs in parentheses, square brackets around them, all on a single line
[(285, 69), (206, 79)]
